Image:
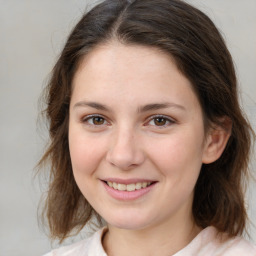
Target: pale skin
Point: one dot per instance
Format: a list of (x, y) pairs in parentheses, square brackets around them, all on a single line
[(135, 117)]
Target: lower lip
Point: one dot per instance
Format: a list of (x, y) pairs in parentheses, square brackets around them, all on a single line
[(128, 195)]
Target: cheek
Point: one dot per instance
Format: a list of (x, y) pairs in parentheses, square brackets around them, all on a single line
[(177, 154), (85, 153)]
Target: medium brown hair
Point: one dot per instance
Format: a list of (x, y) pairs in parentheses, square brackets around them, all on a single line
[(200, 53)]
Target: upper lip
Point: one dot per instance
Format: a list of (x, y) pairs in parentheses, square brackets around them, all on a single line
[(127, 181)]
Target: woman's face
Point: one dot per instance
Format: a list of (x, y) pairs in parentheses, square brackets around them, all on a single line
[(136, 136)]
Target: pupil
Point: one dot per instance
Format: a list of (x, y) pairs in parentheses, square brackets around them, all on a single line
[(160, 121), (98, 120)]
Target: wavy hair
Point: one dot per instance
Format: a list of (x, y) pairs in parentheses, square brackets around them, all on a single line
[(200, 53)]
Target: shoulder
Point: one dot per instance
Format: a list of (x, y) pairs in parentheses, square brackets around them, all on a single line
[(79, 248), (89, 246), (210, 243), (237, 246)]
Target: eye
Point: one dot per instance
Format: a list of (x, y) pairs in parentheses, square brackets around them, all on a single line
[(95, 120), (160, 121)]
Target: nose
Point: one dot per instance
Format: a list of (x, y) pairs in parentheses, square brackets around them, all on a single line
[(125, 151)]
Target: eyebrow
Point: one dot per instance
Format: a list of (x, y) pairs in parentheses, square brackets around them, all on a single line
[(157, 106), (95, 105), (146, 108)]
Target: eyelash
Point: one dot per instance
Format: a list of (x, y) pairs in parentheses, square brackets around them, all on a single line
[(91, 117), (166, 119)]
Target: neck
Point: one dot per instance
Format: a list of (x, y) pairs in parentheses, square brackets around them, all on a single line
[(168, 238)]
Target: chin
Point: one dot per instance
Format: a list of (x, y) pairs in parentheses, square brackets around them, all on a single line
[(127, 226), (129, 221)]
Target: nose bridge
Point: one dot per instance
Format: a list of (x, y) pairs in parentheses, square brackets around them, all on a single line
[(124, 136), (125, 151)]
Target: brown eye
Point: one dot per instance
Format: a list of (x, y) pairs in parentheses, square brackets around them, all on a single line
[(160, 121), (95, 120), (98, 120)]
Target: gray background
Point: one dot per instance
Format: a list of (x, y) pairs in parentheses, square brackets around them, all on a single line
[(32, 33)]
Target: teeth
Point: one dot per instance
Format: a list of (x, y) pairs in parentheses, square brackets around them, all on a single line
[(129, 187), (114, 185), (138, 185), (121, 187)]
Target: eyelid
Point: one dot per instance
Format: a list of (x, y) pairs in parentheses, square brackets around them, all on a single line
[(87, 117), (168, 118)]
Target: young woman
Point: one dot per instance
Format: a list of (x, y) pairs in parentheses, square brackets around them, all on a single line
[(147, 134)]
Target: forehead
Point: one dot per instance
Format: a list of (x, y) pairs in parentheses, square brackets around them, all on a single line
[(115, 60), (113, 53), (117, 70)]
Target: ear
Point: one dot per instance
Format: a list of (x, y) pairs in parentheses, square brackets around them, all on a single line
[(216, 141)]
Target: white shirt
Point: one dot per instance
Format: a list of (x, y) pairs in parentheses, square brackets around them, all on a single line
[(206, 243)]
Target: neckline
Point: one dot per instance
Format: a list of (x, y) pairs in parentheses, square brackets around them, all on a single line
[(206, 234)]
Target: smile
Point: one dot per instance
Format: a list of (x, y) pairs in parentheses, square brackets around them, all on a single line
[(128, 187)]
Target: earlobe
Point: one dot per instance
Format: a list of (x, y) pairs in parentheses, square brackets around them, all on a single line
[(216, 142)]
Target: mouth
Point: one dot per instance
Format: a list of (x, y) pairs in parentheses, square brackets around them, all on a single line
[(128, 190), (128, 187)]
